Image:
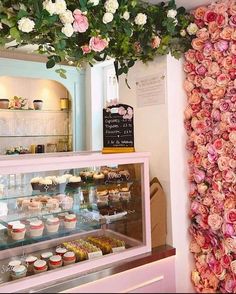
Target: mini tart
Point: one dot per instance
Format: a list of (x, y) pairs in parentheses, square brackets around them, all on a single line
[(40, 266), (18, 271), (69, 258), (61, 251), (55, 261)]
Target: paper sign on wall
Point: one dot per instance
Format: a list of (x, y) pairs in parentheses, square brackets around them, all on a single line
[(150, 90)]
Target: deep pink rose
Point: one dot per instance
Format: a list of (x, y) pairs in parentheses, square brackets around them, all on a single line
[(86, 49), (98, 44), (210, 16), (80, 23), (230, 216), (225, 105), (228, 229), (199, 56), (232, 21), (201, 70), (221, 45), (222, 20), (199, 176), (189, 67), (218, 145), (226, 260)]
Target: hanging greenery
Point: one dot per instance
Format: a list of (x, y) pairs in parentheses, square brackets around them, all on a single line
[(93, 30)]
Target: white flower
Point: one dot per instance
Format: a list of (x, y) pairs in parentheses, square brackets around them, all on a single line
[(60, 6), (140, 19), (183, 33), (111, 5), (126, 15), (175, 21), (49, 6), (94, 2), (67, 30), (171, 13), (192, 29), (26, 25), (107, 17), (66, 17)]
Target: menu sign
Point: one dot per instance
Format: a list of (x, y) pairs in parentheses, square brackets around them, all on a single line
[(118, 128)]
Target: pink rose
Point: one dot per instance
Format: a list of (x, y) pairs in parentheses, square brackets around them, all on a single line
[(98, 44), (218, 92), (214, 68), (230, 284), (190, 55), (229, 203), (208, 47), (224, 105), (226, 260), (197, 44), (226, 33), (213, 27), (230, 216), (232, 8), (233, 266), (188, 86), (228, 230), (155, 43), (203, 34), (199, 56), (223, 163), (227, 62), (208, 83), (232, 48), (215, 221), (199, 176), (86, 49), (221, 45), (191, 76), (218, 145), (200, 12), (232, 137), (80, 23), (189, 67), (202, 188), (217, 56), (223, 80), (222, 20), (201, 70), (232, 21), (210, 16), (188, 113), (220, 7), (229, 176)]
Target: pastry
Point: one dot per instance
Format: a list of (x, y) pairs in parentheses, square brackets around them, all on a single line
[(106, 243), (55, 261), (69, 258), (45, 185), (102, 198), (52, 204), (30, 260), (98, 178), (70, 221), (74, 182), (10, 225), (18, 271), (86, 176), (125, 194), (61, 251), (60, 183), (40, 266), (46, 255), (67, 203), (52, 225), (114, 195), (18, 232), (36, 228), (35, 183)]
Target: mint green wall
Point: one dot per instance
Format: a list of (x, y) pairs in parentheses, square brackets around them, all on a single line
[(75, 84)]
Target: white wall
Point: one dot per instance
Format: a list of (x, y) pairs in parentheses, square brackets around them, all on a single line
[(159, 129)]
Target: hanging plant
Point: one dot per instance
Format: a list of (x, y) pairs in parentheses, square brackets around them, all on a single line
[(87, 31)]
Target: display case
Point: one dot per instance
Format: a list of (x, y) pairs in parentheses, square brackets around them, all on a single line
[(62, 215)]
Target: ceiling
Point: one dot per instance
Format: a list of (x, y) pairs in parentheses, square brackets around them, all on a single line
[(188, 4)]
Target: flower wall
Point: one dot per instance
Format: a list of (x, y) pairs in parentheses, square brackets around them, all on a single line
[(210, 121)]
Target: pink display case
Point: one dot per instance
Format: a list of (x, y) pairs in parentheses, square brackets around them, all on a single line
[(95, 205)]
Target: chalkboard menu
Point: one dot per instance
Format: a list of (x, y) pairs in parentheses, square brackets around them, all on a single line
[(118, 129)]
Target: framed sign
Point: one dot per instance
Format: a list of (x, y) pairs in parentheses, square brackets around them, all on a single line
[(118, 129)]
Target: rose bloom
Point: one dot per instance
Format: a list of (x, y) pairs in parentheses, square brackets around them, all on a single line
[(198, 81), (191, 76), (86, 49), (220, 7), (214, 69), (223, 80), (207, 200), (229, 176), (218, 145), (81, 21), (227, 62), (201, 70), (207, 49), (202, 188), (188, 86), (215, 36), (222, 20), (232, 163), (188, 113), (221, 45), (223, 163), (232, 8), (225, 105), (189, 67), (230, 244), (197, 44), (203, 34), (229, 203), (226, 260), (228, 230), (98, 44), (217, 56), (232, 137), (232, 48), (218, 92), (230, 216), (200, 12), (226, 33), (199, 176), (155, 42), (210, 16), (208, 83), (190, 55), (194, 247), (215, 221)]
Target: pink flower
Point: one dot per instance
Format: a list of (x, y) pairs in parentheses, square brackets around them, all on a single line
[(232, 137), (203, 34), (232, 8), (98, 44), (200, 12), (222, 20), (228, 230), (194, 97), (223, 79), (199, 176), (229, 176), (226, 33), (215, 221), (223, 163), (220, 7), (197, 44), (80, 23), (190, 55), (232, 21), (188, 86), (214, 68), (208, 47), (208, 83), (189, 67), (221, 45), (86, 49), (218, 92), (210, 16), (218, 145), (121, 110), (156, 41), (230, 216)]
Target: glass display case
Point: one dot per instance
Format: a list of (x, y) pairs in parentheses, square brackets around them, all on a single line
[(64, 214)]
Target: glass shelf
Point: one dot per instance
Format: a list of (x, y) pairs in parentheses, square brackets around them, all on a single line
[(35, 136), (33, 110)]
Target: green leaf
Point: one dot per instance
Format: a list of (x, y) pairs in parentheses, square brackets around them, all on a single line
[(15, 34), (51, 63), (131, 63), (62, 75), (22, 13), (9, 22), (83, 3), (120, 71)]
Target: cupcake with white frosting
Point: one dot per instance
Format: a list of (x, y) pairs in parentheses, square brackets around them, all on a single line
[(35, 183), (74, 182)]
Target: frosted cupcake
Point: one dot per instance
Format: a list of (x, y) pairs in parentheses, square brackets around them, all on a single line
[(45, 185), (18, 232), (69, 258), (35, 183), (30, 260), (36, 228), (18, 272), (70, 221), (86, 176), (40, 266), (60, 183), (98, 178), (74, 182), (46, 255), (61, 251), (55, 261), (52, 225)]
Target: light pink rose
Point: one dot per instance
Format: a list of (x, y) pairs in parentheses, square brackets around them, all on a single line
[(226, 33), (207, 48), (232, 8), (188, 113), (229, 176), (223, 163), (227, 62), (232, 21), (194, 247), (207, 200), (208, 83), (225, 105), (232, 137), (86, 49), (218, 92), (228, 230), (190, 55), (203, 34), (221, 7), (232, 48), (215, 221), (194, 97), (230, 284), (199, 176), (223, 79), (156, 41), (221, 45), (80, 23), (214, 68), (200, 12), (197, 44), (213, 27), (202, 188), (218, 145), (233, 266), (98, 44), (188, 86)]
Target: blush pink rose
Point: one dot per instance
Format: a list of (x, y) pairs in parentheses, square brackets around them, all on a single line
[(80, 23), (214, 68), (207, 49), (221, 45), (223, 163), (210, 16), (225, 105), (232, 137), (199, 176), (208, 83), (194, 97), (230, 203), (156, 41), (226, 33), (228, 230), (227, 62), (232, 8), (98, 44), (190, 55), (232, 48), (188, 86), (221, 7), (223, 80), (230, 216), (232, 21), (200, 12), (86, 49), (189, 67), (215, 221), (197, 44), (203, 34), (218, 92), (229, 176)]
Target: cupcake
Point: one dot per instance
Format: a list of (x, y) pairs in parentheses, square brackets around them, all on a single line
[(18, 271), (18, 232), (30, 260), (36, 228), (35, 183), (86, 176), (14, 263), (74, 182), (69, 258), (67, 203), (46, 255), (52, 225), (55, 261), (10, 225), (61, 251), (40, 266), (60, 183), (46, 185), (98, 178), (35, 206), (102, 198), (52, 204), (70, 221)]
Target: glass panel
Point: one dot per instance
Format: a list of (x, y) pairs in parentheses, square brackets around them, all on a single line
[(90, 211)]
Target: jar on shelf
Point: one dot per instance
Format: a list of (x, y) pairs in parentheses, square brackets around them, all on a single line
[(38, 104), (4, 103), (64, 103)]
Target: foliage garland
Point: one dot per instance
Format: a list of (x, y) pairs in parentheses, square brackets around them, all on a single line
[(93, 30)]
